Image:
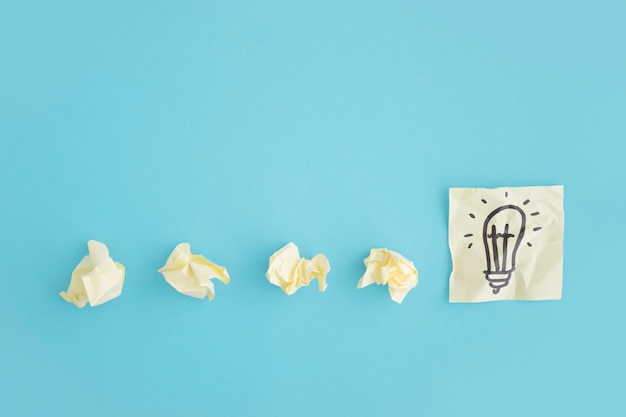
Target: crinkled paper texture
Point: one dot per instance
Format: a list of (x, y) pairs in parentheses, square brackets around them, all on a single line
[(290, 272), (386, 267), (192, 274), (522, 260), (97, 278)]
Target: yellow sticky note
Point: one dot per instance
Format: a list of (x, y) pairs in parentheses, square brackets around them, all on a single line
[(96, 279), (290, 272), (506, 243), (192, 274), (386, 267)]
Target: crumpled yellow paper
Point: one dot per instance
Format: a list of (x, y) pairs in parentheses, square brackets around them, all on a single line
[(96, 279), (191, 274), (290, 272), (386, 267)]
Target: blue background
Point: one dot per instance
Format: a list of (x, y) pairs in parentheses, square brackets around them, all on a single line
[(241, 126)]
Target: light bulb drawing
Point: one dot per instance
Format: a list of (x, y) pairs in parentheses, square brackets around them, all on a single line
[(506, 243), (503, 231)]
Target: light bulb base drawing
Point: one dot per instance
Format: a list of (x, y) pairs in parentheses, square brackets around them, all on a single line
[(498, 280)]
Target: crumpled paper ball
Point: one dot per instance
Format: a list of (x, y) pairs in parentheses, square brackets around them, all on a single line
[(96, 279), (290, 272), (386, 267), (192, 274)]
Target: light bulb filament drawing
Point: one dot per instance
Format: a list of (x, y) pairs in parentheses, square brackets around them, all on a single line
[(503, 232)]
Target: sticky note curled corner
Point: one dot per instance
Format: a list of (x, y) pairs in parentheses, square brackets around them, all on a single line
[(290, 272), (192, 274), (96, 279), (386, 267)]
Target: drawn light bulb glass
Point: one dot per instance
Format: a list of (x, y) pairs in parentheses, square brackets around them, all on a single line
[(503, 232)]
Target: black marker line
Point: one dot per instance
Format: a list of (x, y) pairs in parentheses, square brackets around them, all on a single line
[(494, 245), (529, 244), (534, 214), (536, 229), (472, 216), (468, 235), (526, 202), (470, 246), (483, 200), (504, 245), (506, 193)]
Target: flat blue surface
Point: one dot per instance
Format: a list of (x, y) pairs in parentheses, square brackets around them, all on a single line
[(241, 126)]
